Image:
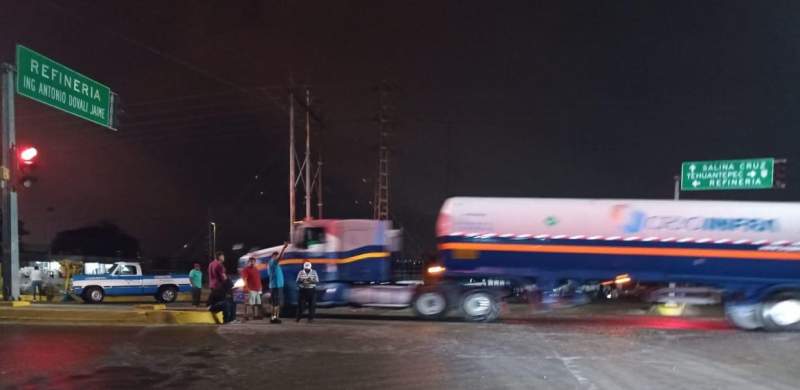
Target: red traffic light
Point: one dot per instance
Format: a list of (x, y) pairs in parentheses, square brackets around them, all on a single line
[(28, 155)]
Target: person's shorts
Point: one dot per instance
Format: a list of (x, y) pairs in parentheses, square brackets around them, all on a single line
[(253, 298), (276, 296)]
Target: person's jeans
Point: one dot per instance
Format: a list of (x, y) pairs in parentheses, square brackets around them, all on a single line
[(308, 297), (36, 286), (196, 292), (228, 309), (231, 310)]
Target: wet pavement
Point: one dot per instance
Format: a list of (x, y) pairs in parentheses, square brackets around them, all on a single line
[(358, 349)]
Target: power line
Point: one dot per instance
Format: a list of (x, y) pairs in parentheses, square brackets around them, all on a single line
[(158, 52)]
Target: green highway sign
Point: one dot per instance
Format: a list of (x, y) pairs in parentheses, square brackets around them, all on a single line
[(746, 174), (51, 83)]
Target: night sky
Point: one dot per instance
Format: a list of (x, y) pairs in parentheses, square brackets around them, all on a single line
[(561, 99)]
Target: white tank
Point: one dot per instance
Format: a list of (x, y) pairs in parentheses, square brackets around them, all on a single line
[(775, 223)]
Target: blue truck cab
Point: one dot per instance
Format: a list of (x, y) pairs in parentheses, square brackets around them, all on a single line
[(347, 254)]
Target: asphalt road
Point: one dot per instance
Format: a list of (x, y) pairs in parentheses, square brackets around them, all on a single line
[(357, 350)]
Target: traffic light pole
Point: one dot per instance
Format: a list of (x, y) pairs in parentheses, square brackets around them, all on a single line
[(9, 196)]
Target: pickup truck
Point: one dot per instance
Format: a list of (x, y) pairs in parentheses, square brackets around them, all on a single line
[(126, 278)]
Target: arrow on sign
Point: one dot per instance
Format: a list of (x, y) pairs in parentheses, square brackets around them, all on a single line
[(764, 173), (695, 183), (751, 173), (692, 167)]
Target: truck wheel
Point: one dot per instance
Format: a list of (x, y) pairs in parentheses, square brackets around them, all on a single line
[(94, 295), (167, 294), (781, 312), (479, 306), (430, 304), (744, 316)]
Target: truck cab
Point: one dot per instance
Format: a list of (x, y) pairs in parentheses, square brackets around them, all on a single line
[(344, 252)]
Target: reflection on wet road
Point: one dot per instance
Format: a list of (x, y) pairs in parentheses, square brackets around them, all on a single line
[(369, 352)]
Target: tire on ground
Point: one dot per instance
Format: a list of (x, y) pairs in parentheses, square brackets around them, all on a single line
[(744, 316), (480, 306), (430, 303), (781, 312), (93, 294), (167, 294)]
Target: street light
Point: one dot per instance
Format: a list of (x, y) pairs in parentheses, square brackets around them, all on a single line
[(213, 239)]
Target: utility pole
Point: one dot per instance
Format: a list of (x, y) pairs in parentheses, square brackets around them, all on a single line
[(319, 187), (677, 191), (307, 160), (304, 174), (381, 203), (292, 162), (9, 195)]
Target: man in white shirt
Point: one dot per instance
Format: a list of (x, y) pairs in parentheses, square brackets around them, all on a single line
[(36, 282), (307, 280)]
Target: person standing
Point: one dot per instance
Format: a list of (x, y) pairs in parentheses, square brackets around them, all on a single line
[(275, 274), (307, 280), (252, 288), (216, 272), (36, 282), (196, 280)]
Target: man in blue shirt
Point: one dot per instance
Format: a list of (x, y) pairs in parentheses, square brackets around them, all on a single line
[(275, 274)]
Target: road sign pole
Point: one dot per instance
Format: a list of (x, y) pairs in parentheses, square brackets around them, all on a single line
[(677, 191), (9, 196)]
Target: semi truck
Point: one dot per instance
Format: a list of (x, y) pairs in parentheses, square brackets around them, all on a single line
[(745, 255), (352, 257)]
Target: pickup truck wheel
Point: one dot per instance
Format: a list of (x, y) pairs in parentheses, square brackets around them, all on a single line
[(781, 312), (94, 295), (167, 294), (430, 304), (480, 306)]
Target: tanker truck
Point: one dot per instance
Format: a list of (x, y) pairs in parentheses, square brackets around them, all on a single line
[(745, 253)]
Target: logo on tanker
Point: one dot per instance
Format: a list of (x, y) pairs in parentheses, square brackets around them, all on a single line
[(631, 220)]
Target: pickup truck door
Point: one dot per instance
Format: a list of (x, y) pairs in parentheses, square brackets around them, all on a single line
[(128, 279)]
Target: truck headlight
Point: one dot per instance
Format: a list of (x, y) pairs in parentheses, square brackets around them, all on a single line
[(239, 283)]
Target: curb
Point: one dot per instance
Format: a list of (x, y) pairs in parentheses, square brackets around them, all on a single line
[(182, 297), (14, 303), (134, 316)]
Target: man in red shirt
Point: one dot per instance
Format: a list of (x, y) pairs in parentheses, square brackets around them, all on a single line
[(216, 272), (252, 287)]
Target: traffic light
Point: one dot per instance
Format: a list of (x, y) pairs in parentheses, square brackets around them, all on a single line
[(27, 162), (780, 178)]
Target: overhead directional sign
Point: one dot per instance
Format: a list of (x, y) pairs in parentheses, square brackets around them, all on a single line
[(747, 174), (51, 83)]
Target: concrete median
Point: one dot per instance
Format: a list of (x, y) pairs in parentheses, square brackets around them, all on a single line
[(109, 315)]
